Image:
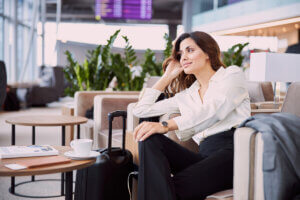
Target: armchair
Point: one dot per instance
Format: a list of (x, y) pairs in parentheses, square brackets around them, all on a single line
[(260, 91), (248, 184), (104, 102), (84, 100)]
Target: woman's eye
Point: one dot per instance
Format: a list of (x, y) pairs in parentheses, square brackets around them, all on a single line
[(190, 50)]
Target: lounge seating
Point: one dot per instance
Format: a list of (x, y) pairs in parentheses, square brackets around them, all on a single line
[(248, 173), (105, 102), (49, 89), (84, 100)]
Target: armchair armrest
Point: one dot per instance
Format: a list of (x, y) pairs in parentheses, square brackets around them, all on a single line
[(248, 175), (84, 100), (104, 104), (132, 121)]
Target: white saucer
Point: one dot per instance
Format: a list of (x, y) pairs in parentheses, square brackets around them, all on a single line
[(72, 155)]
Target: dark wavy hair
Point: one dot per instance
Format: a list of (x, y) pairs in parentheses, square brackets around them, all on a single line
[(208, 45)]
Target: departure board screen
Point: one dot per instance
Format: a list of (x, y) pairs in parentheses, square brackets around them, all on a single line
[(123, 9)]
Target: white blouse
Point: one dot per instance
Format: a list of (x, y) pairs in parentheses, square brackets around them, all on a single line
[(226, 104)]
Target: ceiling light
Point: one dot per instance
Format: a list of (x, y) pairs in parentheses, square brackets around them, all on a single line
[(297, 26)]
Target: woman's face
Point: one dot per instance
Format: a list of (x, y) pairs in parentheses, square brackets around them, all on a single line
[(192, 58)]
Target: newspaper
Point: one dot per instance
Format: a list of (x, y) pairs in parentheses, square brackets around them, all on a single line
[(27, 151)]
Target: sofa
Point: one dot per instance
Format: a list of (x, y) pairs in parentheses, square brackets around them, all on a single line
[(50, 87)]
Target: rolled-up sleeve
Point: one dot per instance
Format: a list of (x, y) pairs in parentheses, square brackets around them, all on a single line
[(146, 106), (215, 109)]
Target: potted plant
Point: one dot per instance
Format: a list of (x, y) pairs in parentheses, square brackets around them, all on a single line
[(101, 66), (95, 73), (233, 56)]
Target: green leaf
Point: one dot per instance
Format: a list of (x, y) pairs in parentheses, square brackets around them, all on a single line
[(169, 46), (233, 56)]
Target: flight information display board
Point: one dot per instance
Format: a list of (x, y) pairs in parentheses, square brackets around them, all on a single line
[(123, 9)]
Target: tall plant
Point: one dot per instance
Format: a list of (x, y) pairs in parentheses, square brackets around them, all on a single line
[(101, 65), (95, 73), (151, 66), (234, 56), (104, 73)]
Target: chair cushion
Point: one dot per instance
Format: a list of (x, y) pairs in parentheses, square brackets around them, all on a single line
[(225, 195)]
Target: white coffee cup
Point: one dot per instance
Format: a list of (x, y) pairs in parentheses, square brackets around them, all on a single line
[(82, 147)]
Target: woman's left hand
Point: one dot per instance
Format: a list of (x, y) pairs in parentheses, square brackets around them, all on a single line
[(146, 129)]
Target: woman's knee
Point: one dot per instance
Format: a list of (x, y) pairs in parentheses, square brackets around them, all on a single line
[(153, 141)]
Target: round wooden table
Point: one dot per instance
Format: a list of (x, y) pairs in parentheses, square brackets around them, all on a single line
[(44, 120), (57, 168)]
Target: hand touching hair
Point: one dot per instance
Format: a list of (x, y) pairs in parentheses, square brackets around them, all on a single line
[(207, 44)]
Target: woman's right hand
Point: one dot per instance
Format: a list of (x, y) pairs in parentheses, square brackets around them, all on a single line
[(173, 69)]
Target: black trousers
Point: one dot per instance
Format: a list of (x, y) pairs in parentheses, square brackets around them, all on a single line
[(194, 175)]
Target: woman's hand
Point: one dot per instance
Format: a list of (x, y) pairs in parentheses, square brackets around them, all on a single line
[(173, 69), (146, 129)]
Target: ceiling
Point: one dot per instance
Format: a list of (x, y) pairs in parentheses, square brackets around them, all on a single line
[(163, 11), (274, 28)]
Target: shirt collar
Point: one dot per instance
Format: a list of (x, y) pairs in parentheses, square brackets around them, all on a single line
[(216, 77)]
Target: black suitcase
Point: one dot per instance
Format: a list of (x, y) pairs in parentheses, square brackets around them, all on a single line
[(107, 178)]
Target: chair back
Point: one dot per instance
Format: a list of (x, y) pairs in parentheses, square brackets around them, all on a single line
[(260, 91), (267, 90), (150, 81), (3, 82), (290, 104)]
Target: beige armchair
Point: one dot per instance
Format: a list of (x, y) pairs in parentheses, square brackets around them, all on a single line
[(105, 102), (260, 91), (249, 146), (84, 100)]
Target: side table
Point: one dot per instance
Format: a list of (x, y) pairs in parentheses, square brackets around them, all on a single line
[(44, 120), (65, 167)]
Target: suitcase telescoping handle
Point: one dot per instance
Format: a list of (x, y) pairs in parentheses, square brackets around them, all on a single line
[(111, 116)]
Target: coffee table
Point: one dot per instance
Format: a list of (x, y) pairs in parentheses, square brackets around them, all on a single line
[(67, 167), (44, 120)]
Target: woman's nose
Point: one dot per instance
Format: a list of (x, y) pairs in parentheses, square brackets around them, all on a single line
[(183, 57)]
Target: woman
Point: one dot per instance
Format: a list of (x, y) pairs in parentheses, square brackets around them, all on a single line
[(212, 101)]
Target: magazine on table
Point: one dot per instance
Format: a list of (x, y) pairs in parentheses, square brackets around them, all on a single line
[(27, 151)]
